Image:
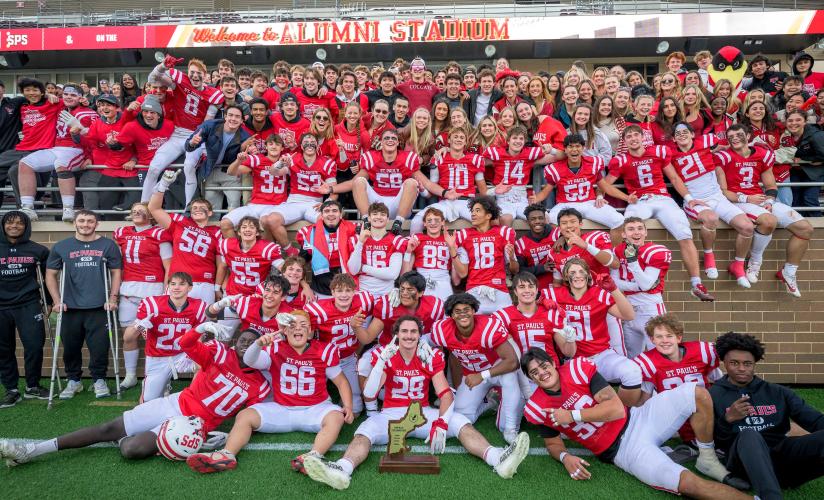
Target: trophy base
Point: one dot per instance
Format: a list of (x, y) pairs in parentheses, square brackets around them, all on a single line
[(410, 464)]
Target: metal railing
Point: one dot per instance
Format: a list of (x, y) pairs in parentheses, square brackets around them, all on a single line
[(362, 11), (204, 187)]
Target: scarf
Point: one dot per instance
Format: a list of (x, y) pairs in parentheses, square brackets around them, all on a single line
[(319, 239)]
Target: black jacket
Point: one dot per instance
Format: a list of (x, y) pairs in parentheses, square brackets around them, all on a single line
[(471, 104), (10, 123), (766, 82), (774, 406), (811, 148), (17, 266)]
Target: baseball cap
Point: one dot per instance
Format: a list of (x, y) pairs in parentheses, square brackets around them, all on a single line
[(417, 63), (103, 81), (151, 103), (317, 65), (110, 98), (288, 96)]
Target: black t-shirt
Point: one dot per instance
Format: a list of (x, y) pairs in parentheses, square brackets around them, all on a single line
[(84, 287)]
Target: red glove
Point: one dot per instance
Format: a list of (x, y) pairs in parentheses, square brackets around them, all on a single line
[(605, 281), (171, 61), (549, 303)]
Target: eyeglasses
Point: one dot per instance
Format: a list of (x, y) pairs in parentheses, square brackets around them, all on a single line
[(380, 111), (321, 118)]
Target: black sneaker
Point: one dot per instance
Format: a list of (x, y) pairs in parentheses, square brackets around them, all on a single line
[(397, 227), (10, 399), (37, 392)]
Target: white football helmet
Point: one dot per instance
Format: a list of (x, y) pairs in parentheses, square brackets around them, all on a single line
[(180, 437)]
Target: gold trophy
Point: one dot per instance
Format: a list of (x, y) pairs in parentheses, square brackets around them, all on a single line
[(397, 458)]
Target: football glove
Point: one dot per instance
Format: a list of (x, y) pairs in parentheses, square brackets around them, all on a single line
[(390, 350), (185, 364), (486, 292), (425, 352), (606, 282), (171, 61), (567, 331), (285, 319), (395, 297), (437, 436), (228, 301), (631, 253), (215, 440)]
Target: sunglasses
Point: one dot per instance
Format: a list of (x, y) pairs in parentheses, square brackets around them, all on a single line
[(321, 118), (380, 111), (390, 138), (668, 81)]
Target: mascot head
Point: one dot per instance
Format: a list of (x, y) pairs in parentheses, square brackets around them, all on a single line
[(728, 63)]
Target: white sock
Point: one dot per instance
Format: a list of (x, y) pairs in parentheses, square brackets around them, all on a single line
[(43, 447), (68, 200), (789, 269), (492, 455), (27, 201), (130, 360), (759, 244), (708, 446), (346, 465), (371, 405), (695, 281), (708, 251), (740, 259)]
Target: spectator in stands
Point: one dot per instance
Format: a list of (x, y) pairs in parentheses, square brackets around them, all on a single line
[(482, 99), (386, 90), (129, 89)]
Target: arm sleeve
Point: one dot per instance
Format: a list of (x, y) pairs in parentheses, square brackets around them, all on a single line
[(190, 344), (645, 278), (354, 261), (386, 273), (596, 383), (253, 358), (624, 285)]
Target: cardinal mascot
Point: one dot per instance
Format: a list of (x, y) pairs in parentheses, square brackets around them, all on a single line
[(728, 64)]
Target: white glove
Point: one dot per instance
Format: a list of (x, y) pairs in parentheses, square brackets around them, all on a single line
[(70, 120), (167, 180), (568, 332), (425, 352), (487, 292), (142, 326), (184, 364), (285, 319), (395, 297), (215, 440), (390, 350), (209, 326), (229, 300), (224, 333), (437, 436)]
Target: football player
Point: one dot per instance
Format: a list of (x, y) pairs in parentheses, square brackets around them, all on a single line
[(428, 254), (534, 249), (376, 256), (405, 374)]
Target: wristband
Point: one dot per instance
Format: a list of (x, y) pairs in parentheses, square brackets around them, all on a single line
[(593, 250), (217, 287), (407, 257), (771, 193), (485, 374), (688, 198), (742, 198), (562, 456), (576, 416), (440, 394), (599, 197)]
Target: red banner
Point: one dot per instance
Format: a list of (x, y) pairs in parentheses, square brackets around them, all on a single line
[(96, 37), (12, 40)]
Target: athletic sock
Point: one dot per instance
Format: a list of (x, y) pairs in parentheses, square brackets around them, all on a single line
[(371, 405), (492, 455), (130, 361), (789, 269), (346, 465), (695, 281), (759, 244), (67, 200), (43, 447), (27, 201), (708, 446), (740, 259)]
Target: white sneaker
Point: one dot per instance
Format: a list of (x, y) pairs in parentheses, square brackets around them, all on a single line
[(711, 272), (708, 464), (129, 381), (72, 388), (68, 214), (510, 435), (30, 213), (328, 473), (512, 456), (101, 389), (791, 282), (15, 453), (753, 270)]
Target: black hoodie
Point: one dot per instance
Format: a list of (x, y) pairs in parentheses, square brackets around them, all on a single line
[(774, 405), (17, 265)]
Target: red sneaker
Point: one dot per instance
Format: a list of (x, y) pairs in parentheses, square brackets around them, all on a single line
[(700, 291), (217, 461), (736, 268)]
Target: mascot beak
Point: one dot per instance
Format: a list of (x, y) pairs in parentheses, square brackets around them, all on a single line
[(728, 64)]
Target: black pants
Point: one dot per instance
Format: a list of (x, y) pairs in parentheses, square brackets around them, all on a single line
[(27, 321), (789, 464), (87, 325)]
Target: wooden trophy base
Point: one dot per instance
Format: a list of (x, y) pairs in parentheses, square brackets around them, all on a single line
[(410, 464)]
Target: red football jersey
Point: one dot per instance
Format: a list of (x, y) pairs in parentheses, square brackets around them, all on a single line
[(642, 175), (514, 170), (299, 379), (168, 325), (141, 253), (85, 115), (650, 254), (537, 253), (696, 167), (578, 186), (599, 239), (744, 174), (190, 104), (487, 262), (250, 312), (195, 249), (387, 178), (247, 268), (376, 253), (430, 310), (332, 324), (145, 141), (532, 331), (476, 353), (575, 394), (408, 382), (305, 177), (432, 253), (222, 387), (290, 131), (588, 316), (39, 125), (459, 175), (267, 189)]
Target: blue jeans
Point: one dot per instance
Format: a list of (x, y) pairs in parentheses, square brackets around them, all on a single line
[(805, 196)]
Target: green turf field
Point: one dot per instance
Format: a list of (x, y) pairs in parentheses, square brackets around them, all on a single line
[(264, 473)]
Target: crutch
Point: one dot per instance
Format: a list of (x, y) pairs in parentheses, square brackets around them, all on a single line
[(56, 345), (46, 313), (112, 319)]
